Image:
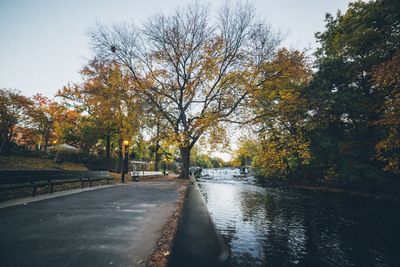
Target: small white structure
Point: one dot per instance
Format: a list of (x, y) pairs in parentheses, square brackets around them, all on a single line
[(63, 148), (140, 169)]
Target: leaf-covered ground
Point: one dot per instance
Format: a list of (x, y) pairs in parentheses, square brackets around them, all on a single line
[(159, 258), (31, 163)]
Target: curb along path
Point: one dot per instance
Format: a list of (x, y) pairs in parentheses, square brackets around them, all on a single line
[(197, 242)]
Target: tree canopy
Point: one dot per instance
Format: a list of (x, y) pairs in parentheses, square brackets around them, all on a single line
[(339, 119), (194, 72), (181, 77)]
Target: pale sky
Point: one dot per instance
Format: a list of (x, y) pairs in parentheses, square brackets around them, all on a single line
[(43, 43)]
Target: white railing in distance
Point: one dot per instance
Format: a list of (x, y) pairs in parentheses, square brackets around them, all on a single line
[(146, 173)]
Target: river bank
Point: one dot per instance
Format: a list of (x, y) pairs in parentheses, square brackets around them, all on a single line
[(388, 189), (374, 195)]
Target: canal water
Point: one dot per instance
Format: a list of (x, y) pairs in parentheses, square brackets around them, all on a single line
[(293, 227)]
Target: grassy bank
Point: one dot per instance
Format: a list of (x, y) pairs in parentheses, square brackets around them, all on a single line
[(35, 163)]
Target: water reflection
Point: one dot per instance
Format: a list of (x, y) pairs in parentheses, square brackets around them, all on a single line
[(276, 227)]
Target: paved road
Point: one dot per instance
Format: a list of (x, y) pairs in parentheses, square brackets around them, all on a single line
[(117, 226)]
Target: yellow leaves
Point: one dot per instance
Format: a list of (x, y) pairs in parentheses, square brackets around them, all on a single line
[(217, 136), (282, 109), (288, 69), (388, 73), (387, 79), (181, 139), (214, 137), (279, 155), (109, 96), (246, 152), (304, 153), (388, 151), (279, 96)]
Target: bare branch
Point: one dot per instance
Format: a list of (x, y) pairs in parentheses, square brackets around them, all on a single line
[(193, 72)]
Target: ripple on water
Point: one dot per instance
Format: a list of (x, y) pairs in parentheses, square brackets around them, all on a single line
[(277, 227)]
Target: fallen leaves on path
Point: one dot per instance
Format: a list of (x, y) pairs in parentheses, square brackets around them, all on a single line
[(159, 258)]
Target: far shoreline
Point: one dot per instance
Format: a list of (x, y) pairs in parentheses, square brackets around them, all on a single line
[(382, 194)]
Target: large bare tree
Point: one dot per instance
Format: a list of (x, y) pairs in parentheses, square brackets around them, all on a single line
[(195, 69)]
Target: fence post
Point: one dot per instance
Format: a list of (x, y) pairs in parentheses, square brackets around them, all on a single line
[(51, 185), (82, 180), (33, 188)]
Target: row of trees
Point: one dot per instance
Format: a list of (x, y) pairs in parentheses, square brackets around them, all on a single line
[(37, 117), (95, 116), (91, 118), (338, 118), (179, 78)]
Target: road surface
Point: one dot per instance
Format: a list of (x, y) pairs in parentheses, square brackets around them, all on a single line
[(113, 226)]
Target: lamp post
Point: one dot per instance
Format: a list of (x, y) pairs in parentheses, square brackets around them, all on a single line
[(125, 165), (58, 150), (164, 167)]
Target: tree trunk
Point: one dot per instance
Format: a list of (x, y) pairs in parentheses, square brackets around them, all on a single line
[(3, 143), (157, 156), (288, 169), (157, 159), (120, 155), (108, 151), (46, 141), (185, 155)]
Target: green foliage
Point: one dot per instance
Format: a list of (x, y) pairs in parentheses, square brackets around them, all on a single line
[(205, 161), (88, 133), (346, 103), (342, 122), (245, 154), (13, 109), (141, 149), (108, 104), (282, 116), (338, 120), (387, 76)]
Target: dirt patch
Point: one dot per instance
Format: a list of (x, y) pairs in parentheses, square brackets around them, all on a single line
[(159, 258)]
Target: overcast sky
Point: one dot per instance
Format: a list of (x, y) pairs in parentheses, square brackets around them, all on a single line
[(43, 43)]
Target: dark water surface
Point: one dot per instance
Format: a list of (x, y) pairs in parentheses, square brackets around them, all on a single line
[(292, 227)]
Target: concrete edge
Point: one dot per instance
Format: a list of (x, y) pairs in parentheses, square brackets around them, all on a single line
[(225, 250), (224, 256), (197, 241), (26, 200)]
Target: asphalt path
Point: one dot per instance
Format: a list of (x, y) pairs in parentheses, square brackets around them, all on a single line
[(113, 226)]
